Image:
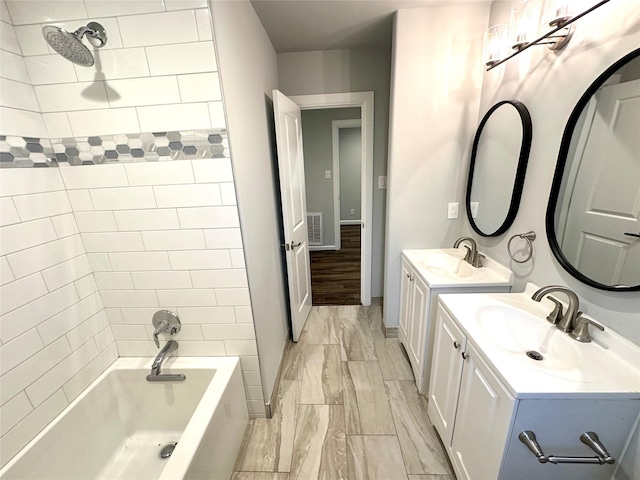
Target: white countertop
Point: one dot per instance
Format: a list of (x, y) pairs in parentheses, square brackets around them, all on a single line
[(491, 274), (604, 368)]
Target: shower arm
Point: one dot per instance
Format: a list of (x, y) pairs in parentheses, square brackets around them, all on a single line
[(96, 34)]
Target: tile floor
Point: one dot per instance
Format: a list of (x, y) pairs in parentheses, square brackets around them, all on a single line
[(347, 408)]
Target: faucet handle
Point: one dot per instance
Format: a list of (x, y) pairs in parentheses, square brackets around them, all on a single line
[(161, 327), (467, 256), (556, 313), (477, 261), (581, 330), (165, 321)]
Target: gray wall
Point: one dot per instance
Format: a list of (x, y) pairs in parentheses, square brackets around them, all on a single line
[(355, 70), (350, 148), (550, 85), (318, 157), (248, 70), (434, 111)]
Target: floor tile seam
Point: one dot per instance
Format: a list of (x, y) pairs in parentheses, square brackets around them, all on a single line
[(393, 418), (381, 435), (328, 404)]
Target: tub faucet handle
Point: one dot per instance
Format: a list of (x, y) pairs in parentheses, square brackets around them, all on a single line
[(162, 327), (165, 321)]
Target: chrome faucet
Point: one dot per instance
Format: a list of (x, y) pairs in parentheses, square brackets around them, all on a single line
[(156, 366), (168, 322), (162, 354), (567, 320), (472, 256)]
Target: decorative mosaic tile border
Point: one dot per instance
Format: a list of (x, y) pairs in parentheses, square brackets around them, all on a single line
[(135, 147)]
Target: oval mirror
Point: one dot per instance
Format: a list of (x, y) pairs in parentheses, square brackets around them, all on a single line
[(498, 165), (592, 218)]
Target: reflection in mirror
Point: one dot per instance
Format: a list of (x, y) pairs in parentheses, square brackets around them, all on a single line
[(498, 165), (593, 216)]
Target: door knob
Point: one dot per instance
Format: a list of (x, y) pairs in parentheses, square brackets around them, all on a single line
[(295, 245)]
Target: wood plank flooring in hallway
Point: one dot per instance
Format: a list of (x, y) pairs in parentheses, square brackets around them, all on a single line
[(347, 408), (335, 274)]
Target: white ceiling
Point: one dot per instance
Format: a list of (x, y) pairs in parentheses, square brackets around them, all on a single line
[(305, 25)]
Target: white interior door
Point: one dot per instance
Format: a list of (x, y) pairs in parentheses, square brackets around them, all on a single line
[(606, 199), (294, 208)]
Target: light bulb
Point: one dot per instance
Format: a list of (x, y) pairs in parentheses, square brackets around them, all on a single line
[(495, 39)]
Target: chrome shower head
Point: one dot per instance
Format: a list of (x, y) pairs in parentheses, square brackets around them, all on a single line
[(70, 45)]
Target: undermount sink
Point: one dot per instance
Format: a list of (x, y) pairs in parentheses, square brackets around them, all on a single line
[(530, 339)]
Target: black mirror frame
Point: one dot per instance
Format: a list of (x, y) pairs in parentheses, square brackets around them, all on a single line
[(525, 148), (559, 172)]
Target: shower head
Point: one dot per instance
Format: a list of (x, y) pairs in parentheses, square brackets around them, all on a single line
[(70, 45)]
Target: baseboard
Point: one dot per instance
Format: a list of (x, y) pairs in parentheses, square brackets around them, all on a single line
[(320, 248), (389, 332), (268, 407)]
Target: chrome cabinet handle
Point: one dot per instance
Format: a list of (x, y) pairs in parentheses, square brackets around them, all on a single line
[(464, 355), (637, 235), (456, 345)]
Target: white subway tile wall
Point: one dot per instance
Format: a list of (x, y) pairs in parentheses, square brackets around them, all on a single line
[(88, 254), (54, 335), (159, 62)]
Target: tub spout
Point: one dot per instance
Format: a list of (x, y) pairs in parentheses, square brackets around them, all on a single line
[(156, 366)]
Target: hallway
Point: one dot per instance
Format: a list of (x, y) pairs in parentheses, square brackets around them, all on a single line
[(347, 408), (335, 274)]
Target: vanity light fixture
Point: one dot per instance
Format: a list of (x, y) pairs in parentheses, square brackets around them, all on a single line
[(522, 25), (495, 42)]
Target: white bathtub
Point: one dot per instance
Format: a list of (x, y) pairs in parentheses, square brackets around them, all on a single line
[(117, 427)]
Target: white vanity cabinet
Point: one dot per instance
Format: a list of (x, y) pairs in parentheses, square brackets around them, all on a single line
[(425, 276), (446, 370), (413, 316), (481, 398), (468, 405)]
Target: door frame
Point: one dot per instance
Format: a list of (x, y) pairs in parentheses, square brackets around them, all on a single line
[(364, 100), (336, 125)]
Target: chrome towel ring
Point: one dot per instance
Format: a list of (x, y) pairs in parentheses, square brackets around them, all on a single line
[(529, 237)]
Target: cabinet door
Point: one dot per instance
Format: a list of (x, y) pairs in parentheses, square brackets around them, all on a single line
[(418, 323), (482, 421), (406, 287), (446, 369)]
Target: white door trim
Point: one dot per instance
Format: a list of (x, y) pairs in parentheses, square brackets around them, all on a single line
[(364, 100), (336, 125)]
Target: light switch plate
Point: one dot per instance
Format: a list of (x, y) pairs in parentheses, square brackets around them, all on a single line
[(327, 174), (452, 211), (382, 181)]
